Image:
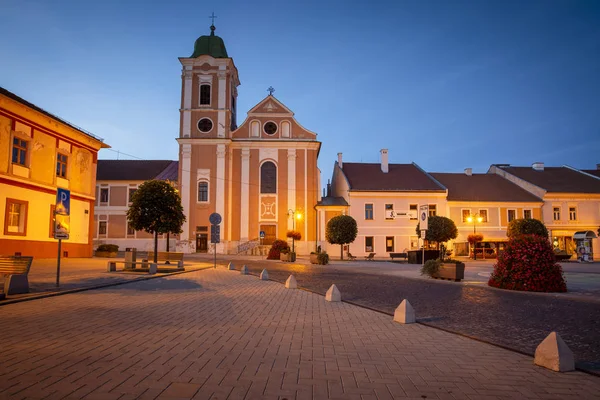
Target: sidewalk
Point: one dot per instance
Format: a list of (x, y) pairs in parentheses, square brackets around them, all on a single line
[(218, 334)]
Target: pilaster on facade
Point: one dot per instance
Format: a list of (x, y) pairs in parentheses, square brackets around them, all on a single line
[(245, 195), (185, 182), (220, 184), (291, 156), (222, 100)]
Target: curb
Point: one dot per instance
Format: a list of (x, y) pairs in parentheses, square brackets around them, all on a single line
[(83, 289)]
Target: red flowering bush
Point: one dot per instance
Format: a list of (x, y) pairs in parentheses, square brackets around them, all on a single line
[(528, 264), (276, 248)]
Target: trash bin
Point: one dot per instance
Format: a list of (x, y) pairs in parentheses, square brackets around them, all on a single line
[(130, 257)]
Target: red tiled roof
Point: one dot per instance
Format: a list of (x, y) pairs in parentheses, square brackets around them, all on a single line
[(136, 170), (401, 177), (557, 179), (482, 187)]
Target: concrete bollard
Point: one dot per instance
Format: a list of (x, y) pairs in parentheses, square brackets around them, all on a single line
[(553, 353), (264, 275), (244, 270), (231, 267), (180, 264), (291, 283), (405, 314), (112, 266), (333, 294), (152, 269)]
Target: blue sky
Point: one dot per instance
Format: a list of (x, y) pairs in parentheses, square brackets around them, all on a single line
[(446, 84)]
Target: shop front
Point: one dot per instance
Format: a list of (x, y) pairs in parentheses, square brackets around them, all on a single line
[(584, 246)]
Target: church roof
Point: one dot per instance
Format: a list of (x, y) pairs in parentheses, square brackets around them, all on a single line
[(211, 45), (137, 170)]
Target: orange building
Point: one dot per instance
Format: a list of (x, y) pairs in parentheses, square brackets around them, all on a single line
[(39, 153), (260, 177)]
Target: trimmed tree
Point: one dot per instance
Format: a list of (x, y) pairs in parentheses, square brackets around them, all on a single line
[(440, 230), (341, 230), (526, 226), (156, 208), (528, 263)]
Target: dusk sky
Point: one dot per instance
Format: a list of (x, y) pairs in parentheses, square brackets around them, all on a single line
[(446, 84)]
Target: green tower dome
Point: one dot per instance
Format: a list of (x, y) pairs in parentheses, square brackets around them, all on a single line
[(210, 45)]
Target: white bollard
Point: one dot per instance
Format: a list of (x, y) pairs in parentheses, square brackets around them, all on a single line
[(264, 275), (231, 267), (244, 270), (405, 314), (333, 294), (553, 353), (291, 283)]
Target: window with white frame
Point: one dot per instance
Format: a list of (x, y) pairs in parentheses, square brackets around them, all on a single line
[(414, 210), (432, 210), (512, 214), (204, 94), (15, 218), (389, 211), (369, 246), (466, 213), (369, 211), (61, 165), (572, 214), (202, 192), (103, 195), (19, 151), (556, 213), (131, 193), (102, 227), (483, 213), (268, 177), (527, 214), (130, 231)]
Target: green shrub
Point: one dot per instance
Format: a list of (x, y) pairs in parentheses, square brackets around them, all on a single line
[(111, 248), (526, 226), (323, 258), (431, 267)]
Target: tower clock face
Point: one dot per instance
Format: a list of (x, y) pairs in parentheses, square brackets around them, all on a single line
[(205, 125), (270, 128)]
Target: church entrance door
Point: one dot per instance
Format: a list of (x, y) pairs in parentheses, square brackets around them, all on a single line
[(270, 234), (201, 243)]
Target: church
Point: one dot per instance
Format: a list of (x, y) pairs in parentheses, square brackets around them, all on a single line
[(261, 177)]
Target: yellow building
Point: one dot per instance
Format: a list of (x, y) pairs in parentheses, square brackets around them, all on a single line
[(39, 153), (260, 177)]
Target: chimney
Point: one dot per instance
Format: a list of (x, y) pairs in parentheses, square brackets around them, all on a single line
[(340, 164), (468, 171), (384, 161), (538, 166), (324, 195), (328, 188)]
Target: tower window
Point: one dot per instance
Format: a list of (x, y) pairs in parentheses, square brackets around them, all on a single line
[(202, 192), (270, 128), (205, 125), (204, 95), (268, 178)]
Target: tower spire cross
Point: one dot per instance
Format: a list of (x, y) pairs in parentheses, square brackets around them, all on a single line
[(270, 90), (213, 16)]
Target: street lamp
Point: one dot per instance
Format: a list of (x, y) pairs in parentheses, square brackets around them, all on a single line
[(475, 219), (295, 215)]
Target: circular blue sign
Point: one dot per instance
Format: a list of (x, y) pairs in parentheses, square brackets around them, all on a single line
[(423, 216)]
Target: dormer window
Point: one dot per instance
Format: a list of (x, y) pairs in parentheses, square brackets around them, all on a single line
[(204, 95)]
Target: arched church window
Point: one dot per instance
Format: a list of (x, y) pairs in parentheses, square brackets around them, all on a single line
[(202, 192), (268, 178), (204, 94)]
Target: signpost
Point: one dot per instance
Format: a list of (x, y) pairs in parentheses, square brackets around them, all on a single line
[(423, 224), (215, 231), (262, 236), (62, 222)]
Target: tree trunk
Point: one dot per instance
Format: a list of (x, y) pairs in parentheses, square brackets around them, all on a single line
[(155, 247), (168, 242), (341, 252)]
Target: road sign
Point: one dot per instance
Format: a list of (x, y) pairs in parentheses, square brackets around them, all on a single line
[(424, 217), (215, 234), (63, 202), (262, 234), (61, 226), (215, 218), (423, 234)]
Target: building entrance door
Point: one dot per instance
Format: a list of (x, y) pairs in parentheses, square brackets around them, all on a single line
[(201, 243), (270, 234)]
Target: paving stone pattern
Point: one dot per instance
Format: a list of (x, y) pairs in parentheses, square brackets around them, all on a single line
[(216, 334), (516, 320)]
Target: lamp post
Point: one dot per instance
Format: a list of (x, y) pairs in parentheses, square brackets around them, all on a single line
[(295, 215), (475, 219)]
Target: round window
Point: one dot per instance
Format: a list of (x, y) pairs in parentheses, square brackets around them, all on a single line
[(205, 125), (270, 128)]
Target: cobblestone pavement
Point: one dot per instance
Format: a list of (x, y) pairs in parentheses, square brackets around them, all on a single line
[(516, 320), (78, 273), (216, 334)]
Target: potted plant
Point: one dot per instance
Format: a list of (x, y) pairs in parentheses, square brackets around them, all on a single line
[(295, 235), (314, 257), (322, 258), (287, 255), (449, 269), (107, 250)]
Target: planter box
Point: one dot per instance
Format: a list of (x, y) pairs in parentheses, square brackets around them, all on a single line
[(105, 254), (416, 256), (451, 271), (288, 257), (314, 258)]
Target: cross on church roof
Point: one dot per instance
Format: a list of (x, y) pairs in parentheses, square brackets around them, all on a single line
[(270, 90), (213, 16)]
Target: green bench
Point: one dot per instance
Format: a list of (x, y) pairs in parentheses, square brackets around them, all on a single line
[(15, 269)]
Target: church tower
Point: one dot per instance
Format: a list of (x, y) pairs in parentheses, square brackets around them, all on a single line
[(261, 177)]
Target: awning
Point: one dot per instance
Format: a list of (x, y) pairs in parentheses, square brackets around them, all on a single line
[(584, 235)]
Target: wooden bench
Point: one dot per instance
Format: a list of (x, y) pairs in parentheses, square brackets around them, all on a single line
[(166, 256), (370, 257), (351, 257), (152, 268), (399, 255), (16, 268)]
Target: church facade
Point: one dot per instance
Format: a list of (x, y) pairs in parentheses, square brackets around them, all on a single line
[(261, 177)]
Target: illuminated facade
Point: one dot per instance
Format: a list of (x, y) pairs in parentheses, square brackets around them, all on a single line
[(39, 153)]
